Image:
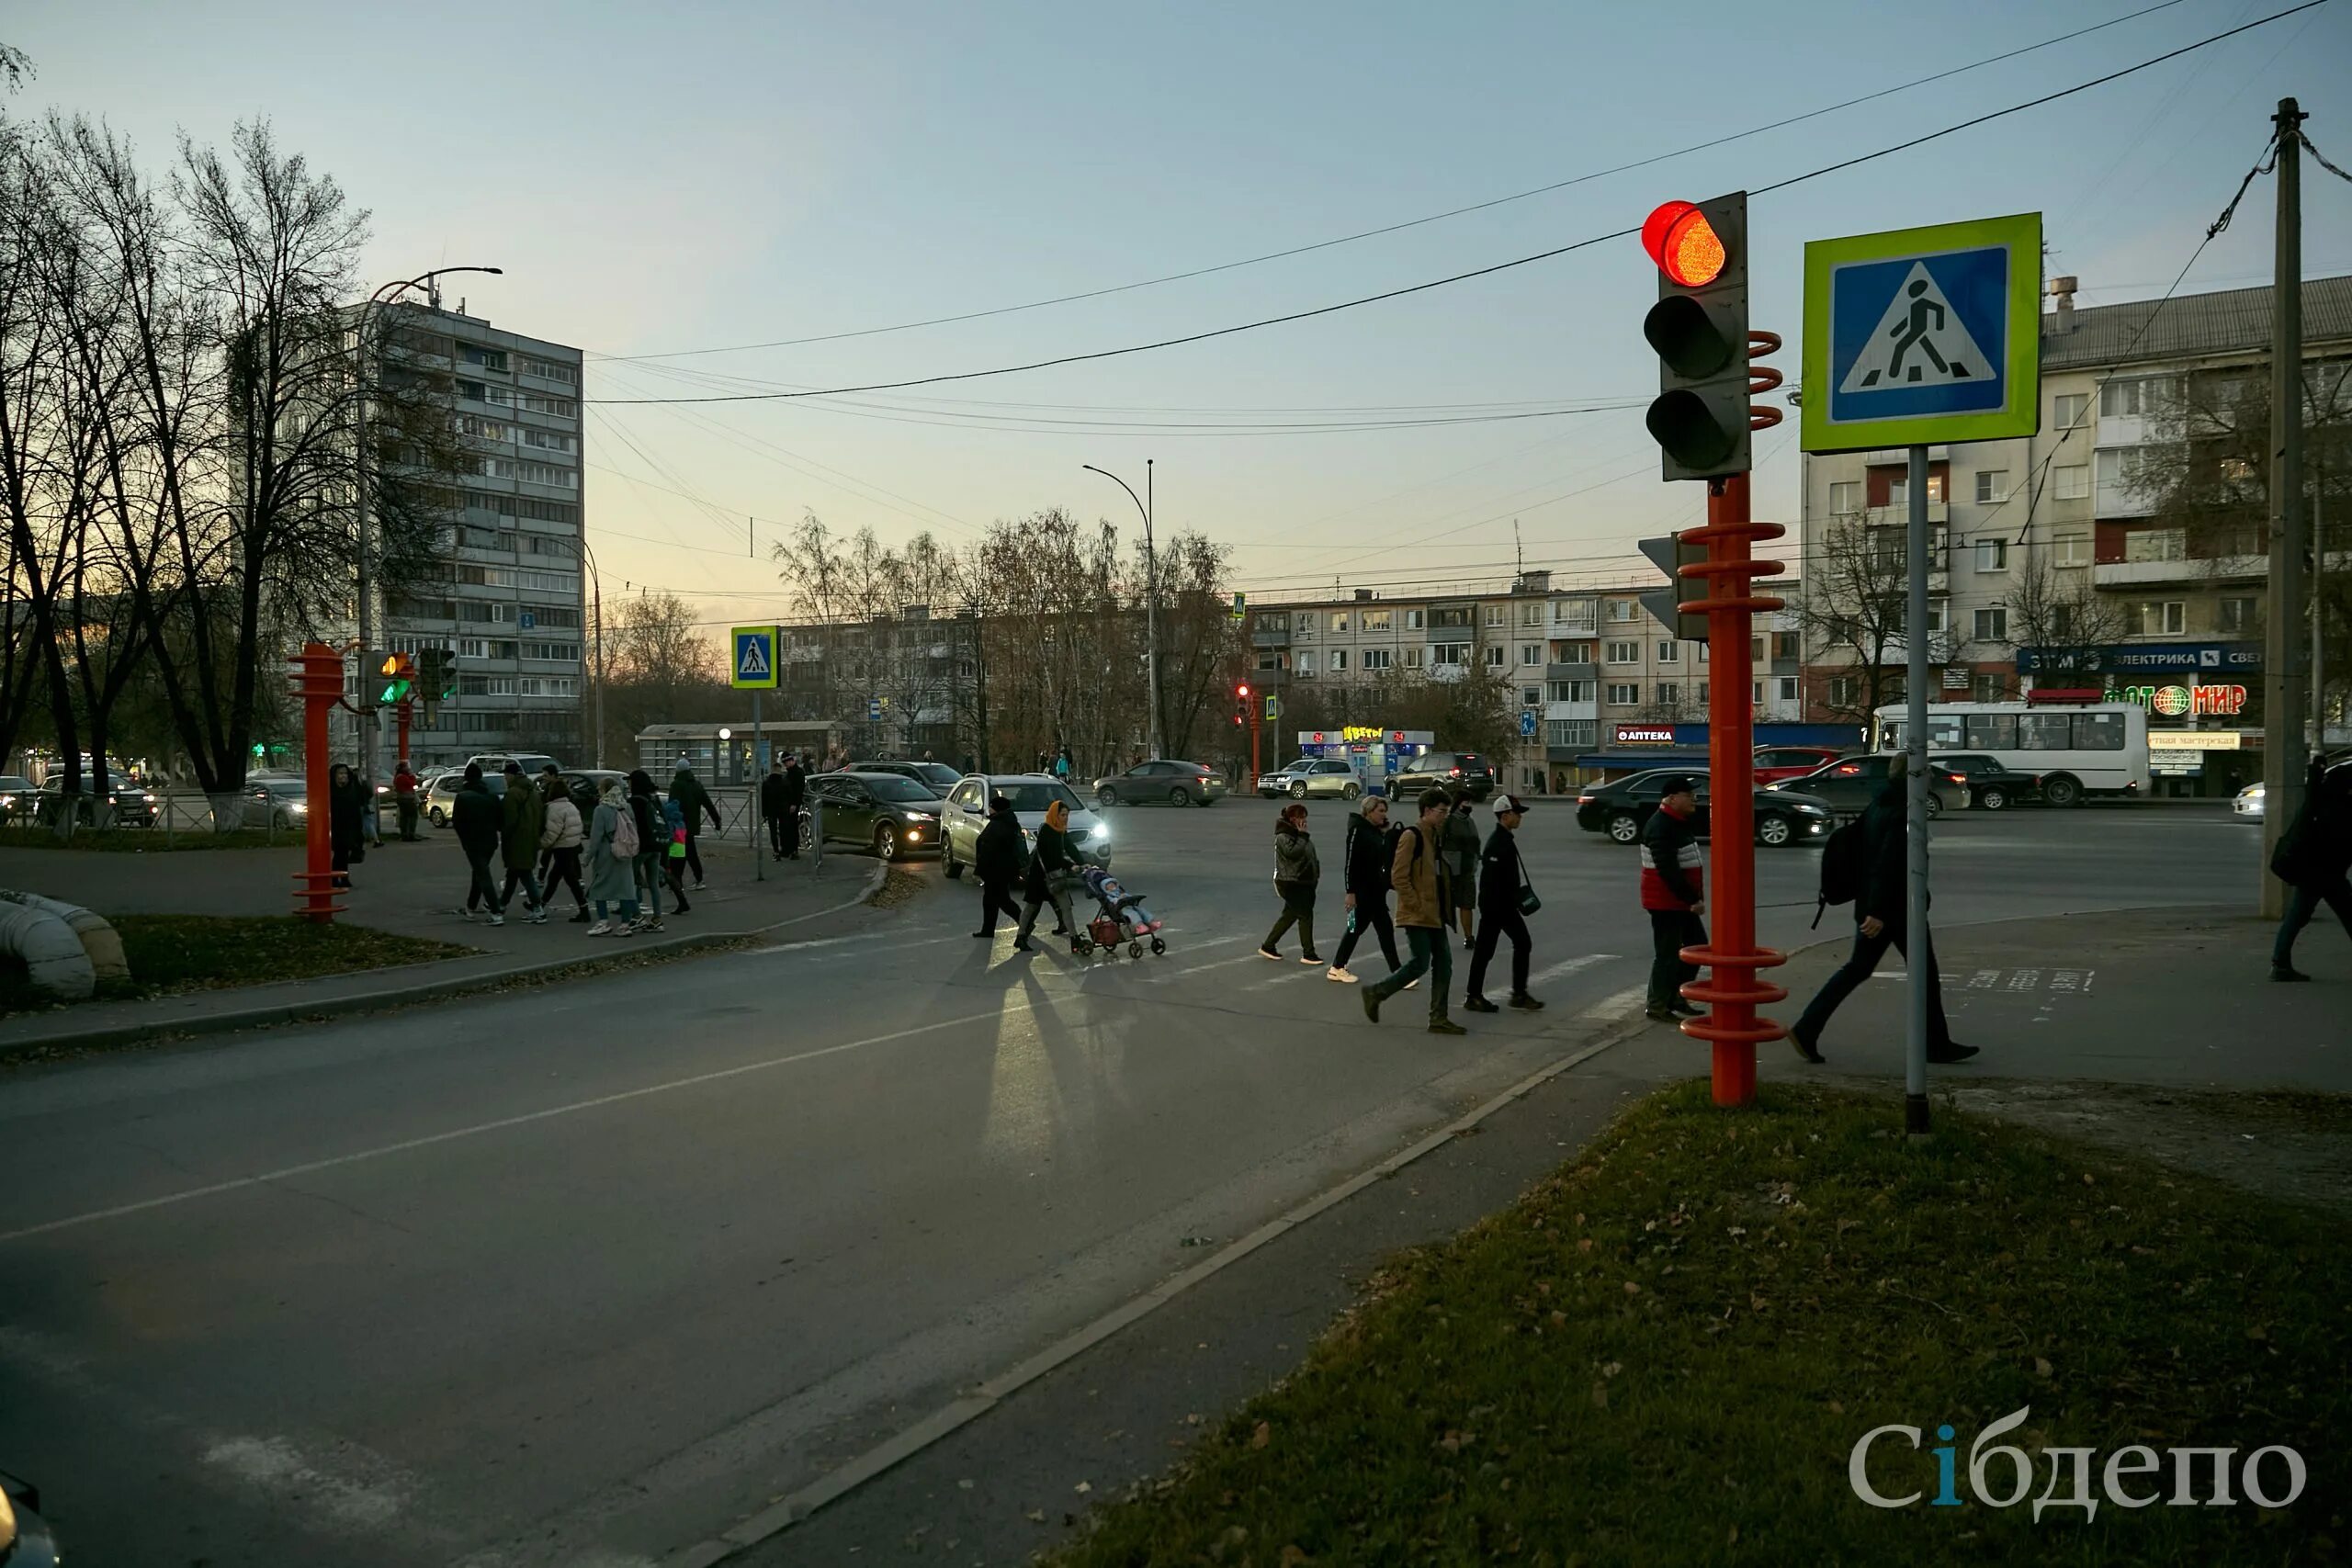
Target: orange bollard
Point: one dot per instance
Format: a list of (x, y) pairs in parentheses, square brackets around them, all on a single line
[(318, 680)]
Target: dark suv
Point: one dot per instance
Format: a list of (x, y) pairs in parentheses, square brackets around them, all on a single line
[(1848, 785), (1443, 770), (890, 814)]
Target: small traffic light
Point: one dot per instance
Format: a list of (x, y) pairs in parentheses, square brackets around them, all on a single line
[(1241, 703), (1669, 555), (1699, 328), (399, 674)]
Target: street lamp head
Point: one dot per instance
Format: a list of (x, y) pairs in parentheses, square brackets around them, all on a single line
[(725, 733)]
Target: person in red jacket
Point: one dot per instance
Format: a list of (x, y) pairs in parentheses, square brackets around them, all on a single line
[(1674, 887)]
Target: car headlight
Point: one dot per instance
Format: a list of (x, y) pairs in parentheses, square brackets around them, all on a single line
[(1101, 835), (298, 806), (923, 816)]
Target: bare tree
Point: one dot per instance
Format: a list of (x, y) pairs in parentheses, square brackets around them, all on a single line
[(2063, 622), (1855, 596)]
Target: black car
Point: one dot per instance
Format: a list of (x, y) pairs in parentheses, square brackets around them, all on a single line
[(1848, 785), (134, 806), (1620, 809), (888, 813), (937, 776), (1992, 783), (1443, 770)]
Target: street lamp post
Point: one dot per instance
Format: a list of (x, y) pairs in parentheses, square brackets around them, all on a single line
[(370, 730), (1150, 596)]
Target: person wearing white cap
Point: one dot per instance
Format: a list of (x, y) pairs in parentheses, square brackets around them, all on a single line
[(1505, 900)]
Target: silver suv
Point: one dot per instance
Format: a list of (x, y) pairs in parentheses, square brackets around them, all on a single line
[(1312, 775)]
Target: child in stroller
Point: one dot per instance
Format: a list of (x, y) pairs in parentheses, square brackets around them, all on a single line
[(1119, 918)]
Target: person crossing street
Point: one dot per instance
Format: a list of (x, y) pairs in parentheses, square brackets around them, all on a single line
[(1424, 894), (997, 856), (694, 805), (475, 815), (1365, 857), (1297, 871), (772, 810), (1502, 891), (521, 816)]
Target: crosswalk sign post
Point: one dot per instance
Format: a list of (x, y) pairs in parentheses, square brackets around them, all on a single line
[(1914, 337), (754, 663)]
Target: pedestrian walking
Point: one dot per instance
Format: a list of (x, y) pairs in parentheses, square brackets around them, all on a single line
[(2313, 857), (694, 803), (522, 814), (1460, 841), (612, 863), (1505, 900), (1061, 764), (1674, 887), (1297, 871), (1417, 871), (1367, 851), (676, 837), (405, 800), (346, 804), (561, 836), (1882, 907), (1051, 858), (645, 808), (474, 813), (772, 807), (796, 800), (997, 857)]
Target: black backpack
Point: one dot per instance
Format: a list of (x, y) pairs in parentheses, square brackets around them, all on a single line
[(1845, 859)]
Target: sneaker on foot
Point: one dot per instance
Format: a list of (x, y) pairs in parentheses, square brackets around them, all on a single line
[(1342, 975), (2287, 971), (624, 928), (698, 884), (1952, 1052), (1021, 945), (1526, 1003), (1270, 952), (1446, 1026), (495, 920), (462, 912), (602, 928), (1308, 958), (1479, 1004), (1412, 985)]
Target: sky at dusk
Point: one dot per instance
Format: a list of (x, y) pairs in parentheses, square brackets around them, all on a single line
[(658, 179)]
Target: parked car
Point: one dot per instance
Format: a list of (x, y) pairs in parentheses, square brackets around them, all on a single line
[(1621, 808), (965, 812), (17, 793), (1448, 770), (133, 806), (276, 803), (2247, 804), (1774, 763), (1848, 785), (1312, 775), (890, 814), (441, 794), (939, 776), (1178, 784), (25, 1539), (1992, 785), (495, 761)]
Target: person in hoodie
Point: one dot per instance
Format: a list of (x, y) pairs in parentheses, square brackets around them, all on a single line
[(1298, 870), (612, 875), (1369, 848), (561, 836), (1053, 856), (475, 814), (677, 841), (347, 807), (694, 803)]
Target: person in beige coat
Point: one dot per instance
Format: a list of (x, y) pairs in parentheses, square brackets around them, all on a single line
[(1424, 898)]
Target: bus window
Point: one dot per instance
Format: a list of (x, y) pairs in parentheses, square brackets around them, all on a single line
[(1991, 731), (2098, 732), (2045, 731)]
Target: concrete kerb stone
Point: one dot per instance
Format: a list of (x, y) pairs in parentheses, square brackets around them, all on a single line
[(231, 1021)]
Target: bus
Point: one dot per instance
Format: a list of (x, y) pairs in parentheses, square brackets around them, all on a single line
[(2075, 749)]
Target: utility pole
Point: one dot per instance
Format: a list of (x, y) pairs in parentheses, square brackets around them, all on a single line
[(1150, 596), (2286, 639)]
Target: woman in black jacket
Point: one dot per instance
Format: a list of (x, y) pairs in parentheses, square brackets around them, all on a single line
[(1367, 860), (2313, 857), (1053, 855), (997, 858), (346, 804)]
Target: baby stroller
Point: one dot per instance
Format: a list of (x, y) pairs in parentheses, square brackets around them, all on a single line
[(1120, 916)]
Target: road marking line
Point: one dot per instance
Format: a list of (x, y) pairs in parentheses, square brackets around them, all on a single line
[(1011, 1007), (1569, 967)]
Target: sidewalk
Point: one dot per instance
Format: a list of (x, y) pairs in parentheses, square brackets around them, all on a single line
[(2176, 997), (410, 888)]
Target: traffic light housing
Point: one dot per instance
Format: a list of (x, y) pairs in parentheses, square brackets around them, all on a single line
[(1699, 329), (1669, 555), (436, 674), (398, 673)]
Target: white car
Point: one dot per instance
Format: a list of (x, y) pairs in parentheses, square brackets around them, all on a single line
[(2248, 804), (965, 811)]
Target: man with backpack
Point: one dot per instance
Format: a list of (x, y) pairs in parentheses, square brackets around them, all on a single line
[(1674, 887), (1865, 862), (1424, 896)]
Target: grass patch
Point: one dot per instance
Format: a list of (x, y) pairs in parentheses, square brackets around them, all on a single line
[(1664, 1354), (171, 953)]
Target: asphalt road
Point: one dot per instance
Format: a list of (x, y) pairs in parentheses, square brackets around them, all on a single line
[(579, 1277)]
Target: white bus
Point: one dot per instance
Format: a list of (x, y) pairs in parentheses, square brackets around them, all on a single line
[(2074, 749)]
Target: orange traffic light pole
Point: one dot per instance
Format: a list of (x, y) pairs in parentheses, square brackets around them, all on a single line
[(318, 680), (1733, 992)]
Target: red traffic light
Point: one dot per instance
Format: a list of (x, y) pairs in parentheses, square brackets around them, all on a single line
[(1241, 690), (1684, 245)]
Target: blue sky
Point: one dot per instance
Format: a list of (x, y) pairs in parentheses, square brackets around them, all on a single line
[(662, 178)]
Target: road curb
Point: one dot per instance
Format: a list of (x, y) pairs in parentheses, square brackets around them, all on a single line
[(1611, 1028), (404, 995)]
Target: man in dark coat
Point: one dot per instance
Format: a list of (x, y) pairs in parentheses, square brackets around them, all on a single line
[(475, 815), (346, 809), (521, 813), (999, 860), (795, 797), (1882, 911), (1500, 877), (2313, 857), (1674, 892), (772, 809), (695, 802)]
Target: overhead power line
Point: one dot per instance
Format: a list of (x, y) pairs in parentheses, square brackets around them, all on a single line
[(1487, 271), (1415, 222)]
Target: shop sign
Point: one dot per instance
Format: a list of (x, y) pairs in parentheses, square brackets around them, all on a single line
[(1644, 734), (2178, 702), (2179, 741)]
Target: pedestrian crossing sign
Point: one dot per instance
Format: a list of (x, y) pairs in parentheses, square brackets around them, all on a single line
[(753, 664), (1919, 336)]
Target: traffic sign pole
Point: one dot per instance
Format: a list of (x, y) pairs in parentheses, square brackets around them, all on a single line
[(1915, 774), (752, 797)]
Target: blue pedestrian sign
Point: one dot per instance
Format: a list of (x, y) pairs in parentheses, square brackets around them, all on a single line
[(527, 621), (1918, 336), (1526, 723), (753, 662), (874, 710)]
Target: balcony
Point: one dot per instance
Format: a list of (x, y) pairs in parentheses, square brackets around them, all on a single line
[(1571, 671), (1899, 515), (1885, 456), (1264, 639), (2210, 568)]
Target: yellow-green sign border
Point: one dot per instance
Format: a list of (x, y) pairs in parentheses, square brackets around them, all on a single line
[(775, 658), (2020, 415)]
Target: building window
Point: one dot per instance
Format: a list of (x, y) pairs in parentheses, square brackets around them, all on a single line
[(2074, 550), (1669, 693), (1623, 610), (1844, 690), (1497, 614), (1702, 694), (2071, 482), (1898, 493), (1669, 652), (1624, 653), (1788, 688), (1269, 661), (550, 440), (1624, 695), (1531, 613), (1375, 621), (1305, 632), (1338, 659), (1571, 691), (1338, 620), (1845, 497), (1375, 659), (2135, 398), (2156, 543), (2237, 614), (1990, 689), (1449, 653), (547, 371), (1993, 625), (1756, 692), (1494, 656), (1416, 619), (1785, 645), (1531, 653), (2158, 617), (487, 359), (1572, 653), (2067, 409), (1530, 696), (1992, 554), (1303, 661), (1569, 731), (1413, 658), (1992, 486)]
